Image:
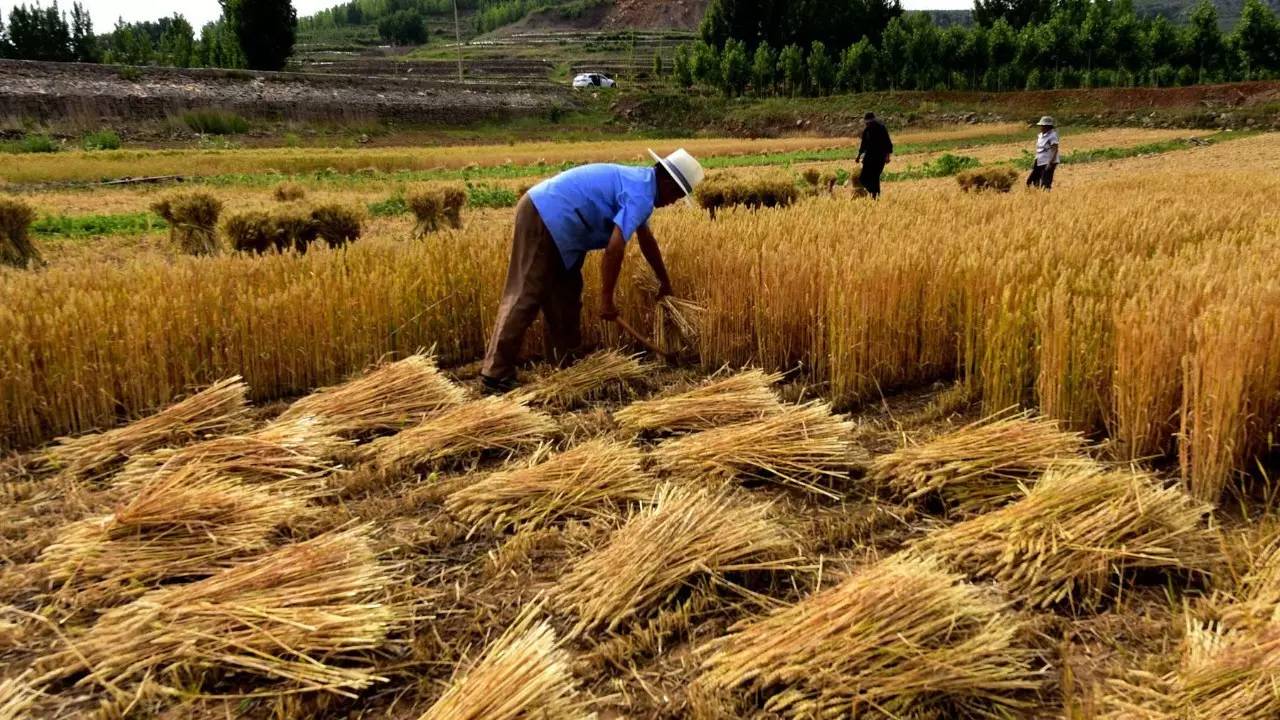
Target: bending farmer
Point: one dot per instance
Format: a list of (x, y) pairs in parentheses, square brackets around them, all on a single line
[(594, 207)]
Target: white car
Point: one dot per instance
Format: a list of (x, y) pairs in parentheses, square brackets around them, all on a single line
[(593, 80)]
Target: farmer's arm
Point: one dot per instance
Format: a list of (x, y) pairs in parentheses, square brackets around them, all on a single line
[(653, 254), (611, 268), (1054, 160)]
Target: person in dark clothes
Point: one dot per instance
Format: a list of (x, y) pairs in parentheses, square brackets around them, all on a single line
[(874, 153)]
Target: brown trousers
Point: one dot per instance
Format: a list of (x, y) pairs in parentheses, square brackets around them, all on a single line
[(537, 280)]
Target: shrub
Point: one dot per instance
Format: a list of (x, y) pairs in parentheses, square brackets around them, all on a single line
[(215, 122), (338, 224), (16, 248), (1000, 178), (193, 221), (102, 140), (33, 144), (289, 192)]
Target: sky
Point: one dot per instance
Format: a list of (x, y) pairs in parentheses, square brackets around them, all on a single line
[(199, 12)]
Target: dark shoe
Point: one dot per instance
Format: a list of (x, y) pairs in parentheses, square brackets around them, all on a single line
[(492, 386)]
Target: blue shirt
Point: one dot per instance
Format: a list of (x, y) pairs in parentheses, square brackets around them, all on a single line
[(582, 206)]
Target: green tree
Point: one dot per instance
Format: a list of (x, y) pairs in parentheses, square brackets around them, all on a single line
[(1163, 43), (265, 29), (822, 69), (6, 48), (858, 66), (682, 67), (1258, 37), (764, 69), (178, 43), (974, 53), (403, 27), (1204, 38), (794, 73), (84, 45), (706, 65), (129, 44), (658, 69), (1018, 13), (893, 52), (219, 48), (923, 69), (40, 33), (735, 68)]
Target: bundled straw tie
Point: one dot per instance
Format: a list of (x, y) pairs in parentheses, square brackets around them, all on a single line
[(1075, 531), (220, 408), (678, 324), (390, 398), (800, 445), (307, 615), (523, 674), (599, 476), (686, 533), (737, 398), (490, 425), (899, 635), (983, 465), (593, 377)]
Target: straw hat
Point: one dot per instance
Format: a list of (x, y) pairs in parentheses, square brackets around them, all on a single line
[(683, 168), (1047, 121)]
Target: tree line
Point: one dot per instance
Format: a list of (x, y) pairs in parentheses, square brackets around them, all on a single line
[(257, 34), (805, 47)]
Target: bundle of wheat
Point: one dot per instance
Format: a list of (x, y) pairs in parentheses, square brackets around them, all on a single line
[(523, 674), (295, 452), (193, 221), (1258, 599), (738, 398), (218, 409), (598, 375), (390, 398), (307, 614), (721, 191), (1075, 531), (252, 231), (982, 465), (188, 523), (685, 534), (16, 248), (491, 425), (812, 176), (294, 228), (898, 637), (678, 324), (436, 206), (453, 199), (999, 178), (799, 445), (596, 477), (337, 224), (289, 192)]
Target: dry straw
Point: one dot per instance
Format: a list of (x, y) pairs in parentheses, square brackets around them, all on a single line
[(601, 374), (296, 452), (523, 674), (800, 445), (193, 221), (253, 231), (17, 697), (898, 637), (492, 425), (598, 477), (997, 178), (434, 208), (337, 224), (184, 524), (767, 191), (389, 398), (1076, 532), (289, 192), (218, 409), (737, 398), (308, 615), (982, 465), (678, 324), (685, 535), (16, 248)]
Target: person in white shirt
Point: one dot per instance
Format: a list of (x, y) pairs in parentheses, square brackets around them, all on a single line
[(1046, 155)]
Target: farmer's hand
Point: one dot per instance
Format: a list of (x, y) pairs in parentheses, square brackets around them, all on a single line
[(888, 158), (608, 311)]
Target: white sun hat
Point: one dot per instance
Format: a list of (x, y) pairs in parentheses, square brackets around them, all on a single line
[(1047, 121), (683, 168)]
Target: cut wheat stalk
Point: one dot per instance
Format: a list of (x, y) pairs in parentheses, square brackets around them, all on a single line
[(800, 445), (598, 477), (677, 324), (1075, 532), (17, 697), (601, 374), (523, 674), (191, 522), (980, 466), (687, 533), (390, 398), (307, 615), (295, 453), (493, 425), (899, 636), (219, 409), (737, 398)]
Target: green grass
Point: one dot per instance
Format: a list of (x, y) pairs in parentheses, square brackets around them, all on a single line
[(944, 166), (31, 144), (215, 122), (84, 226), (101, 140)]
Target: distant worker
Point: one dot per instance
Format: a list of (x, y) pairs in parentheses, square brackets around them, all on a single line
[(874, 153), (593, 207), (1046, 155)]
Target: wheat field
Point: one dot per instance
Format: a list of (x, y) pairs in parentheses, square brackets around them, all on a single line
[(1131, 316)]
